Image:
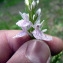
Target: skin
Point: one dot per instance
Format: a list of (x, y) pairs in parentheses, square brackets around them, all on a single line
[(11, 49)]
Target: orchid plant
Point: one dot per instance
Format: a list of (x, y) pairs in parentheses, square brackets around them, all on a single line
[(31, 23)]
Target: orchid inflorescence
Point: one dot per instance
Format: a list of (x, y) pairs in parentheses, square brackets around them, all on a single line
[(31, 22)]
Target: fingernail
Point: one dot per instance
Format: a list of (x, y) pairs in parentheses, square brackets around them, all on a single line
[(37, 51)]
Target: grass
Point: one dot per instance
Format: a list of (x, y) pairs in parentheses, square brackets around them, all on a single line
[(9, 3), (52, 12)]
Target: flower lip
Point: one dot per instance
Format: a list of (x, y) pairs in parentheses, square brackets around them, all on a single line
[(40, 35)]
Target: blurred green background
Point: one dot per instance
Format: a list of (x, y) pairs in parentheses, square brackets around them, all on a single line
[(52, 13)]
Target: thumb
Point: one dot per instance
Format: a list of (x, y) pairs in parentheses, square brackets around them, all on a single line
[(33, 51)]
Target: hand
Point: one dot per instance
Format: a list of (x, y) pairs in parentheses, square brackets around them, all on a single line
[(25, 50)]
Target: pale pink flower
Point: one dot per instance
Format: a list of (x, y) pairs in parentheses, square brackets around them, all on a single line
[(25, 24), (38, 34)]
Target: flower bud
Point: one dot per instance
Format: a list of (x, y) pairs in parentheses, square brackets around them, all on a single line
[(37, 1), (27, 2), (33, 4), (38, 12)]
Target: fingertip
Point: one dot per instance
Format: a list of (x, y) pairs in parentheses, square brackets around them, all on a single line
[(56, 45), (33, 51), (8, 45), (37, 51), (15, 43)]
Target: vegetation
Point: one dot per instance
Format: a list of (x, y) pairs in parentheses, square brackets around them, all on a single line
[(52, 13)]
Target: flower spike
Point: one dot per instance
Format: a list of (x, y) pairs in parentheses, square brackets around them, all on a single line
[(31, 22)]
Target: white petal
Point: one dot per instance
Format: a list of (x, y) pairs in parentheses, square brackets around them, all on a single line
[(33, 3), (38, 12), (21, 34), (20, 13), (42, 22), (44, 30), (33, 16)]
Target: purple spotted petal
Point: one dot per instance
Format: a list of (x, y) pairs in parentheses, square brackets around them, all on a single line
[(39, 35)]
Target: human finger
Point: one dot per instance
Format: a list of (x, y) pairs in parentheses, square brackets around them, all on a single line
[(8, 45), (33, 51), (55, 45)]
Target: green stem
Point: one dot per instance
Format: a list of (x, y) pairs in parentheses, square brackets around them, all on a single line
[(30, 1)]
